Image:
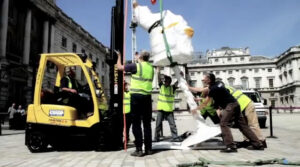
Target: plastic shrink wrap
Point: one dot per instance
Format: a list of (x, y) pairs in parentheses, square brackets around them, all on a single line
[(178, 33)]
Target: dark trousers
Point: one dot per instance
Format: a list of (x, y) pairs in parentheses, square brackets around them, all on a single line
[(141, 110), (160, 117), (232, 113), (215, 118), (11, 123), (128, 124)]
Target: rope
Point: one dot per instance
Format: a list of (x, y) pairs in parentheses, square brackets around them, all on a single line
[(204, 163), (168, 52)]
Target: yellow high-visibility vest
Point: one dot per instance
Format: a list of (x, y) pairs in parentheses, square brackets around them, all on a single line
[(141, 82), (241, 98), (70, 86), (165, 100), (127, 102), (209, 108)]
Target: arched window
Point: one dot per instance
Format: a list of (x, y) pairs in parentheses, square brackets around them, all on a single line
[(219, 79)]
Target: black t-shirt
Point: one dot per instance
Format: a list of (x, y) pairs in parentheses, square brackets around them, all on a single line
[(220, 95), (64, 82)]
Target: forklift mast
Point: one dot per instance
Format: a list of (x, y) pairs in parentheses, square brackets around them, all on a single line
[(116, 76)]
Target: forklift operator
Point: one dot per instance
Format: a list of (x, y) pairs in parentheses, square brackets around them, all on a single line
[(69, 83), (70, 88)]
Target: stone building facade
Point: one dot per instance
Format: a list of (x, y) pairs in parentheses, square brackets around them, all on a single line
[(277, 79), (29, 28)]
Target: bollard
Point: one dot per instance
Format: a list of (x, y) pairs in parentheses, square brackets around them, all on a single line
[(271, 123)]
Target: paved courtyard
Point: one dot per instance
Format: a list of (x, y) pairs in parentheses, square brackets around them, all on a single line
[(13, 152)]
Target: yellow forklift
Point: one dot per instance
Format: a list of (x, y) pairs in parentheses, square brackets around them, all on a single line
[(53, 121)]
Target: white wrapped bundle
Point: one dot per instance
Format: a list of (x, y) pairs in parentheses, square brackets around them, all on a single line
[(178, 33)]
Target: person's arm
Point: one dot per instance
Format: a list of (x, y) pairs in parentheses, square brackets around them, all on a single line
[(159, 77), (119, 64), (197, 99), (64, 86), (202, 105), (195, 90), (175, 86), (69, 90)]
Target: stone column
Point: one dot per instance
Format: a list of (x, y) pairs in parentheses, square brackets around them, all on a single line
[(3, 27), (26, 46), (45, 36), (294, 69), (52, 35)]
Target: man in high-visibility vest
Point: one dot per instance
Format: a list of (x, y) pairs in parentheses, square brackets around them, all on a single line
[(127, 109), (231, 112), (248, 109), (141, 103), (71, 97), (68, 83), (69, 87), (209, 110), (165, 107)]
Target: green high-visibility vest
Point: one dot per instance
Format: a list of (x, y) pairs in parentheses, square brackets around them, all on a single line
[(165, 100), (70, 86), (208, 108), (127, 102), (241, 98), (69, 82), (141, 82)]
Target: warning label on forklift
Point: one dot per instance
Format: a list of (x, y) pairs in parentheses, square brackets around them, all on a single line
[(56, 113)]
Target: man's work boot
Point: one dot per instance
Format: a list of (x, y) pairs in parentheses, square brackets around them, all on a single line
[(148, 152), (138, 152), (177, 139), (264, 143), (156, 139), (243, 144), (260, 147), (229, 149)]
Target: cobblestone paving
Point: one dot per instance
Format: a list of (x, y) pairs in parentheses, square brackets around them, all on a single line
[(13, 152)]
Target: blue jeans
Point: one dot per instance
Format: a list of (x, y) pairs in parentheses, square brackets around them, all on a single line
[(160, 117)]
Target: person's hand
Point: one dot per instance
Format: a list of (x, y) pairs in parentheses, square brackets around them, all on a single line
[(135, 4), (197, 99), (181, 73), (117, 52), (74, 91), (219, 112), (188, 86), (194, 111)]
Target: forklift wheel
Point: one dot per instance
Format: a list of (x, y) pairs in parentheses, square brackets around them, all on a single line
[(37, 142)]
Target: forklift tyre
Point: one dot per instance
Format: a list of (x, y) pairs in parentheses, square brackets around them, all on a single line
[(37, 142)]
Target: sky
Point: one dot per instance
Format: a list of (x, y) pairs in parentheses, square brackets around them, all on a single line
[(267, 27)]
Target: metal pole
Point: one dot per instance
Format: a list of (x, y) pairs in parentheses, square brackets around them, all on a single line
[(271, 123), (133, 26)]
